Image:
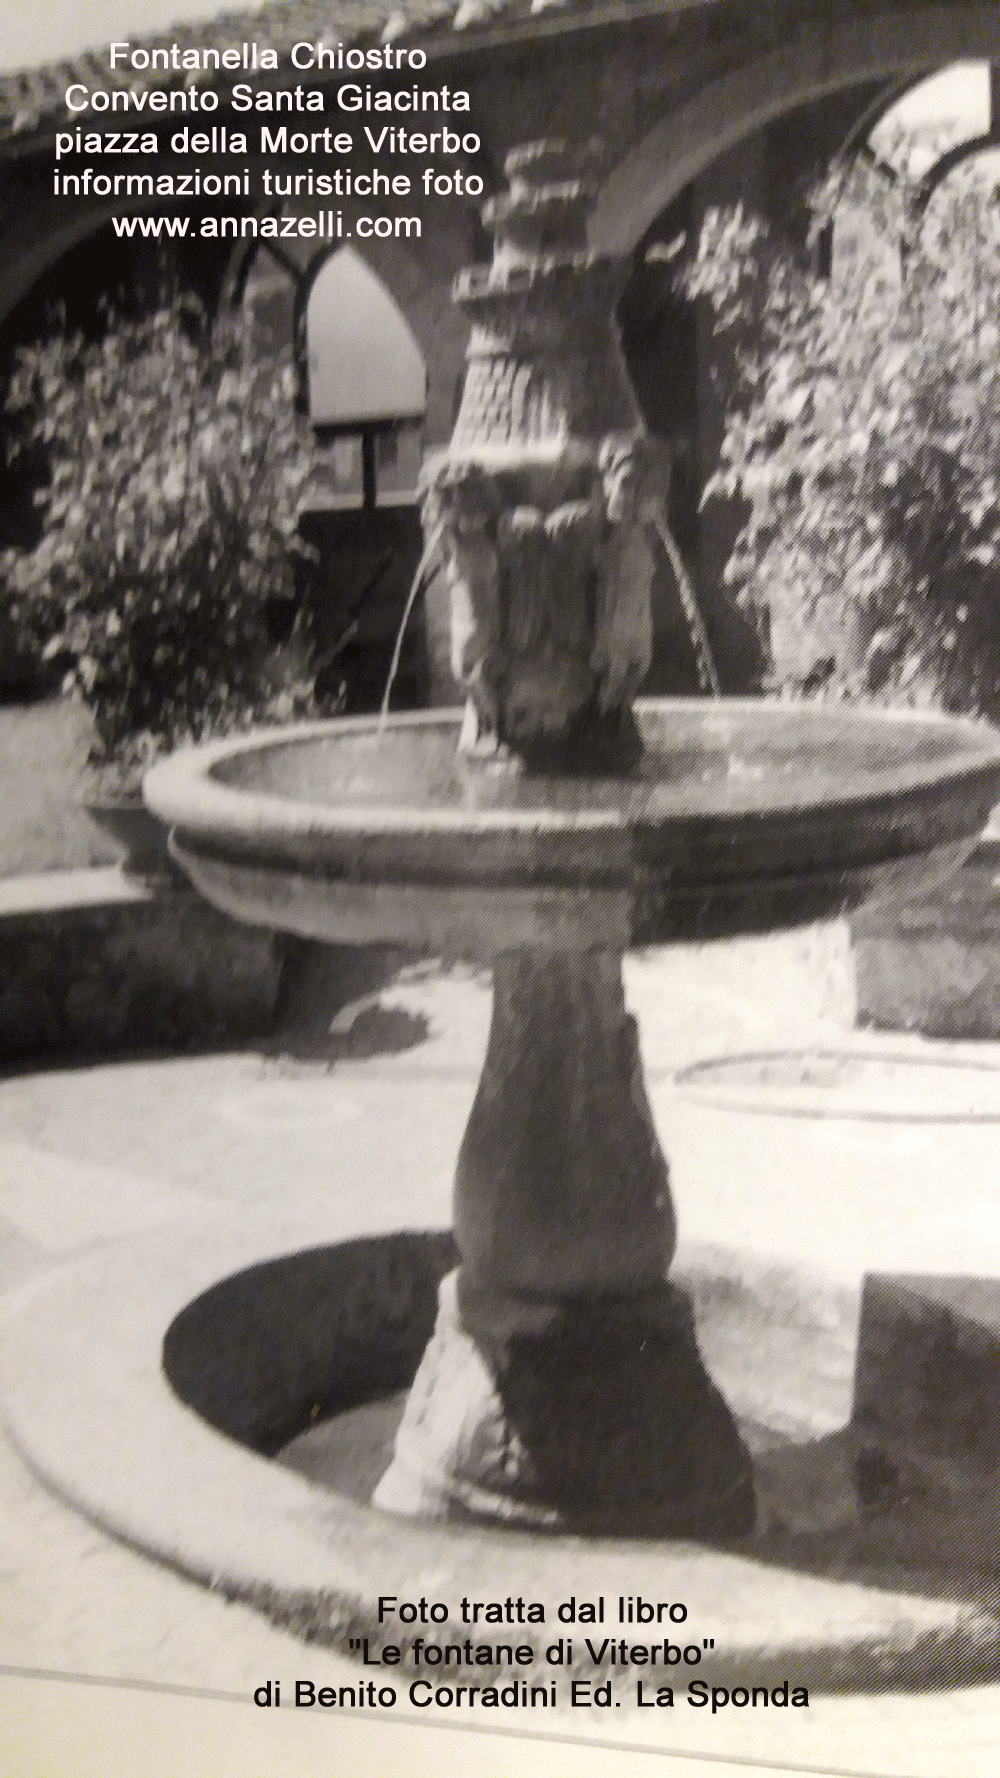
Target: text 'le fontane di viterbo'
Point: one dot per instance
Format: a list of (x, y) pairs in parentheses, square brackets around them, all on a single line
[(574, 1668)]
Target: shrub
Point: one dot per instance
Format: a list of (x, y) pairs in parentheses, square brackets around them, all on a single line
[(175, 461), (863, 438)]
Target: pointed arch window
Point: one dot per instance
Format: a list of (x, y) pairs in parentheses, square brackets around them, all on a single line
[(366, 380)]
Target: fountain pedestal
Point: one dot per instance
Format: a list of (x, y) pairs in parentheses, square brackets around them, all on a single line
[(563, 1386)]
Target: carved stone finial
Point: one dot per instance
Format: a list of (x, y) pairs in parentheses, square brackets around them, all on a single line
[(537, 503)]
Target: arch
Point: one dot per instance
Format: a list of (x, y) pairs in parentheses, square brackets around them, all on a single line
[(947, 121), (869, 119), (820, 60), (33, 247), (35, 244), (938, 173), (364, 367)]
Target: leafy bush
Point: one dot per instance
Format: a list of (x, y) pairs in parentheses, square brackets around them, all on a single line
[(170, 524), (864, 441)]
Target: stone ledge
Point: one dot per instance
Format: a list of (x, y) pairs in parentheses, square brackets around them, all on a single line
[(926, 1415), (54, 891), (932, 965), (93, 961)]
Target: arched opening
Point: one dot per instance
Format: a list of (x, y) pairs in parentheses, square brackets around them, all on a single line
[(739, 136), (366, 380), (100, 277), (945, 112), (683, 373), (364, 387), (814, 62)]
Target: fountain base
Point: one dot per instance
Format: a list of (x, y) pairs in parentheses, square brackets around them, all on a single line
[(583, 1416), (85, 1398)]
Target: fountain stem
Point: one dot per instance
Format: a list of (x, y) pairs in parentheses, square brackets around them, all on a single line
[(563, 1385), (561, 1188)]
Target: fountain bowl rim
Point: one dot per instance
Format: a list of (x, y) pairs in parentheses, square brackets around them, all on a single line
[(183, 792)]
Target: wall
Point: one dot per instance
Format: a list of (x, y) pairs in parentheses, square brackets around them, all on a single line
[(91, 963)]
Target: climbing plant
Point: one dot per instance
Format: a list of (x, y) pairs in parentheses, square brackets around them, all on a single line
[(862, 440), (175, 461)]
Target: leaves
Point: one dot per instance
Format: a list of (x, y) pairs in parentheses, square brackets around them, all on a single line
[(176, 460), (863, 438)]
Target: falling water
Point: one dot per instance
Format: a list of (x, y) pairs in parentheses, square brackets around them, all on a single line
[(708, 677), (419, 579)]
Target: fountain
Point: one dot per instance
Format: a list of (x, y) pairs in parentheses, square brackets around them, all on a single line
[(553, 824)]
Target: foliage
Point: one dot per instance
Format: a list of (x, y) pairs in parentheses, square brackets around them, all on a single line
[(176, 458), (863, 438)]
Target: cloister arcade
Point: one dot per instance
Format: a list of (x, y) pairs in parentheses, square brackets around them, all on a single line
[(698, 104)]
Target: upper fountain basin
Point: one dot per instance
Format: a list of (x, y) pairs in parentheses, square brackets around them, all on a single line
[(742, 815)]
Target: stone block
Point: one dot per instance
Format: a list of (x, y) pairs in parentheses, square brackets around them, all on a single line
[(927, 1380), (91, 963), (933, 964), (925, 1429)]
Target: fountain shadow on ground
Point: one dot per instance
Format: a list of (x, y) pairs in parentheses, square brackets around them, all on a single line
[(811, 1517), (330, 1011)]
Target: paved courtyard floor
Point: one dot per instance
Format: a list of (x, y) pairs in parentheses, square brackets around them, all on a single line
[(301, 1131)]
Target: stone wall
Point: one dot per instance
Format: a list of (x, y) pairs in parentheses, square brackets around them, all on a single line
[(91, 963), (933, 965)]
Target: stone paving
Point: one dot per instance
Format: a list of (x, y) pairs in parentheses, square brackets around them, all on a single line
[(102, 1153)]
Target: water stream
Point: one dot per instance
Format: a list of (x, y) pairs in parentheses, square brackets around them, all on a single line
[(708, 677)]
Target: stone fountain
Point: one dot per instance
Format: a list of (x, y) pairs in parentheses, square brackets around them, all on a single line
[(546, 829)]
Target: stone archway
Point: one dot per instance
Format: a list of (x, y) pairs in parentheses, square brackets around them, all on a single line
[(726, 108), (859, 64)]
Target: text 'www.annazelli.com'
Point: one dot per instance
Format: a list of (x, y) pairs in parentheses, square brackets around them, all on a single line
[(329, 225)]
